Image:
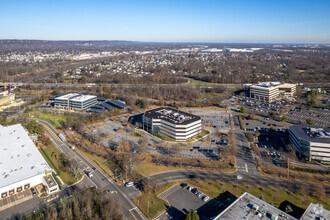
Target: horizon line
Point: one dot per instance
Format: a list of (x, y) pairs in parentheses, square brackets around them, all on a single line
[(169, 42)]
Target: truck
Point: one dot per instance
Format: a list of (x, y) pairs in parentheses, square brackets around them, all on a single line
[(61, 136), (90, 174)]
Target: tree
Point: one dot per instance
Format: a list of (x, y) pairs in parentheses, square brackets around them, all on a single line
[(243, 109), (309, 121), (192, 215), (249, 136), (34, 127)]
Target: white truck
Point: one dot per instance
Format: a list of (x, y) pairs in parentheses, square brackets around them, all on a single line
[(61, 136)]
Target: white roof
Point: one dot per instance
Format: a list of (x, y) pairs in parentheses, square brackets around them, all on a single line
[(67, 96), (19, 157), (75, 97), (83, 98)]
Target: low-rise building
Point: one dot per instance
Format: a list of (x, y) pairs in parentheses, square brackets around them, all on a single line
[(312, 143), (21, 164), (173, 123), (315, 212), (272, 91), (248, 206), (75, 101), (50, 184)]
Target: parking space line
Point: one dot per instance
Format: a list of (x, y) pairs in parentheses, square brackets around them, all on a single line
[(246, 168)]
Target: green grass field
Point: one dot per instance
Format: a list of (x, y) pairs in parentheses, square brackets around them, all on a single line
[(53, 119), (53, 161), (156, 205)]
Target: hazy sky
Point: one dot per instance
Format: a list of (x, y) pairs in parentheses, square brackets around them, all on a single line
[(303, 21)]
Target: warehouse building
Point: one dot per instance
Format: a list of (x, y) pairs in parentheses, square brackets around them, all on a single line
[(173, 123), (21, 164), (75, 101), (271, 91), (312, 143)]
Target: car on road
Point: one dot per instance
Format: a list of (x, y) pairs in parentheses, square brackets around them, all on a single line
[(129, 184), (205, 198)]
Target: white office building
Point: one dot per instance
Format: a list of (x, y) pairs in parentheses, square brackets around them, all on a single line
[(173, 123), (312, 143), (21, 164), (75, 101), (272, 91)]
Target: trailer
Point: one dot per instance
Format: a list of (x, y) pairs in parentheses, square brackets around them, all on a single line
[(61, 136)]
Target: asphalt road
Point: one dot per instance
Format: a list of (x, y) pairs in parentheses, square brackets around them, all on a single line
[(124, 196)]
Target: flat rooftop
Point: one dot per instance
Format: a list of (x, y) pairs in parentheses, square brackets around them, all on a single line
[(75, 97), (50, 180), (250, 207), (172, 115), (312, 134), (20, 158), (315, 212), (269, 85)]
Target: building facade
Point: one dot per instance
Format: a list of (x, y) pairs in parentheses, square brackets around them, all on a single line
[(75, 101), (312, 143), (271, 91), (172, 123), (21, 164)]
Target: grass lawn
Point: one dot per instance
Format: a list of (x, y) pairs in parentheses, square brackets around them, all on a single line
[(147, 167), (137, 135), (156, 205), (195, 82), (272, 196), (47, 116), (46, 152)]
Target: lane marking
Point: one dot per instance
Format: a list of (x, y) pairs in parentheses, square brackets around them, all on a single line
[(132, 208), (132, 214)]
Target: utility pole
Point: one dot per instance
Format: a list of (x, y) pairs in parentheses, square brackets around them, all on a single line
[(288, 168)]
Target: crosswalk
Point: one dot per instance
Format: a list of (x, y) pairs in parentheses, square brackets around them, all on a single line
[(169, 191)]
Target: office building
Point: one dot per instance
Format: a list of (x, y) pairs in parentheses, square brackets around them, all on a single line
[(21, 164), (312, 143), (173, 123), (75, 101), (315, 212), (271, 91)]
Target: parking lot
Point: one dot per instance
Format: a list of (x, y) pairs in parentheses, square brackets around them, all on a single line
[(183, 198), (299, 114), (213, 118)]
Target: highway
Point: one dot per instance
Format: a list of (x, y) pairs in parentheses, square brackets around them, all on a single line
[(125, 196)]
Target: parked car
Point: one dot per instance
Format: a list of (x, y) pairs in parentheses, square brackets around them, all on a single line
[(129, 184), (189, 188), (205, 198)]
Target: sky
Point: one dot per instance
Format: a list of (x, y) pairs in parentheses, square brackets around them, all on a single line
[(231, 21)]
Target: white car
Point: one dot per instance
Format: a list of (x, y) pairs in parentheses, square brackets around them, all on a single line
[(129, 184), (205, 198), (239, 177)]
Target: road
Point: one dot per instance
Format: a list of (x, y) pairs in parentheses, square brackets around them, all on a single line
[(125, 196)]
